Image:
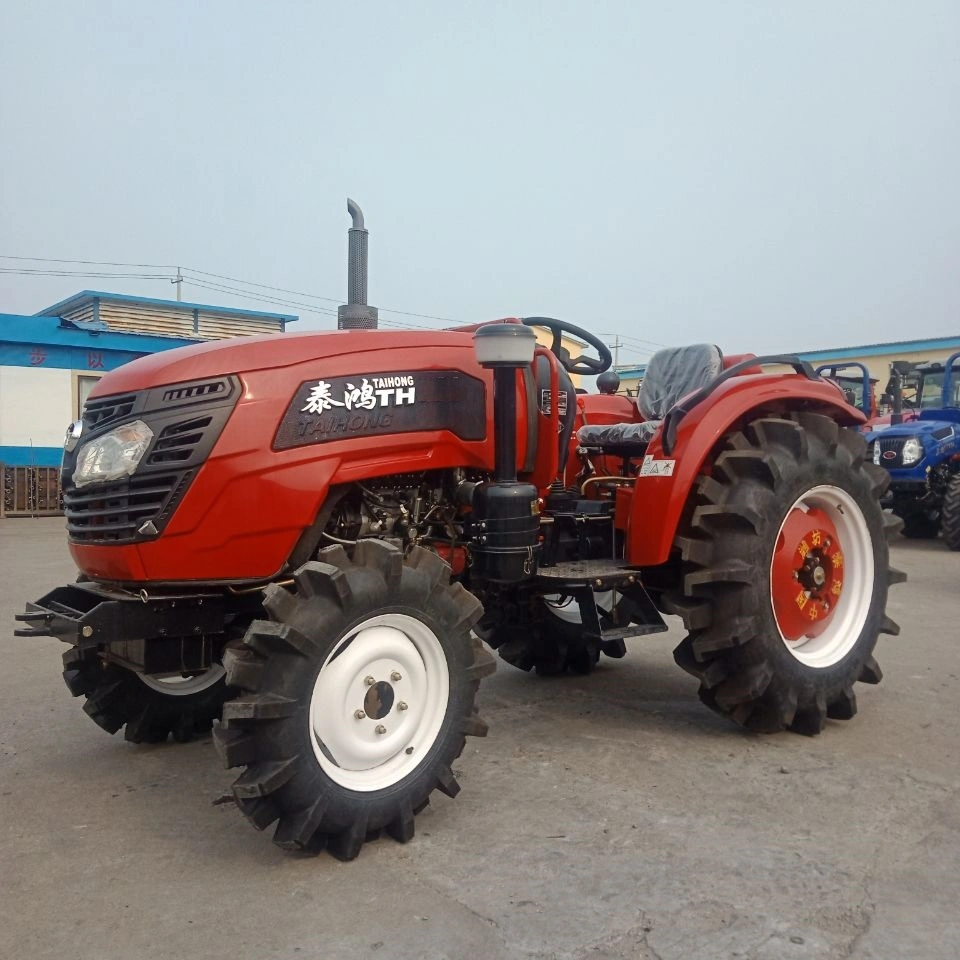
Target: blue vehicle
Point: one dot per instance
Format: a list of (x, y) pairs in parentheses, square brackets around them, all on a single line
[(923, 455)]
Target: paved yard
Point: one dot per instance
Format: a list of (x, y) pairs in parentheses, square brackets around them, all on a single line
[(606, 816)]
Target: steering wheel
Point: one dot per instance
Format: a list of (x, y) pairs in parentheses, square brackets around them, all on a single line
[(581, 365)]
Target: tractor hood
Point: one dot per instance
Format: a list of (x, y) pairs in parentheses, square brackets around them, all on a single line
[(245, 354), (934, 424), (911, 449)]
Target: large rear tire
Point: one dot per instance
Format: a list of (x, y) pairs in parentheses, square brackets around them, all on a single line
[(950, 514), (358, 694), (785, 575), (148, 708)]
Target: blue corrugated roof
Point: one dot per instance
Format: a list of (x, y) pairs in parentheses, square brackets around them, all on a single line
[(630, 372), (884, 349), (839, 353), (89, 296), (48, 330)]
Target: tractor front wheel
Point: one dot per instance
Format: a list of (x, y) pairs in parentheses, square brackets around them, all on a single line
[(785, 575), (950, 514), (357, 695), (148, 708), (920, 526)]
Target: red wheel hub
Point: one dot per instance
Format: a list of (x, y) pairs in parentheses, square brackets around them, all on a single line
[(806, 576)]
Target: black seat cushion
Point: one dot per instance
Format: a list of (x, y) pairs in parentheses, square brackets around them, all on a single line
[(617, 434)]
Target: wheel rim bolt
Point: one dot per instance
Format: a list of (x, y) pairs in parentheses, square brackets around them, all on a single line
[(401, 705), (395, 676), (381, 728), (358, 714), (369, 681)]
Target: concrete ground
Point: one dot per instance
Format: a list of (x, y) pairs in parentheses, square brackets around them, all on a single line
[(605, 816)]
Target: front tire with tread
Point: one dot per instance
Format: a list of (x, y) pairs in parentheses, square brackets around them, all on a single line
[(950, 514), (117, 698), (271, 731), (920, 526)]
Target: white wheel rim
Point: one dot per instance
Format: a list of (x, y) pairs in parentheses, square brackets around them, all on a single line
[(853, 606), (180, 686), (364, 752)]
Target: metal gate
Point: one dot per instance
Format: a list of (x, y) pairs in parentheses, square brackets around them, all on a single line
[(30, 492)]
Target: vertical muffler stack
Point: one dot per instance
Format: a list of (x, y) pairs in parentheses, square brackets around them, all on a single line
[(355, 314), (506, 514)]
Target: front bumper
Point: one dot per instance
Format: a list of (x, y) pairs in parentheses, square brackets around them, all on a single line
[(163, 634)]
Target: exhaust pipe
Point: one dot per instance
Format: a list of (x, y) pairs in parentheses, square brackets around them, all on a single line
[(355, 314)]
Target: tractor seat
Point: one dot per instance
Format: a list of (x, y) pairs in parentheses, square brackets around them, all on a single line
[(671, 374)]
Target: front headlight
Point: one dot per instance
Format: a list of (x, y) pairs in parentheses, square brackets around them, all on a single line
[(114, 455), (912, 451)]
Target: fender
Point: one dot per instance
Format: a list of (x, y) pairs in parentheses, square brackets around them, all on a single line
[(658, 501)]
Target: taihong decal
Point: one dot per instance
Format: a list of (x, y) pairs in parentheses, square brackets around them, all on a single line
[(371, 394), (364, 405)]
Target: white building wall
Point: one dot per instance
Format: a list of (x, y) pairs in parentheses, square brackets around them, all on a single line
[(36, 406)]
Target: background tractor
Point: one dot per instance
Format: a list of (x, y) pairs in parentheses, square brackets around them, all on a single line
[(858, 389), (922, 454)]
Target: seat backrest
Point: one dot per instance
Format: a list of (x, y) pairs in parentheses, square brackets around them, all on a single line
[(674, 372)]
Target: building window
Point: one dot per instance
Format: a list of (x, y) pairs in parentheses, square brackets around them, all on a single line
[(84, 385)]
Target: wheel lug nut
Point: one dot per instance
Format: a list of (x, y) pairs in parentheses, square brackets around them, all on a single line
[(369, 681), (395, 676), (358, 714), (380, 728), (401, 705)]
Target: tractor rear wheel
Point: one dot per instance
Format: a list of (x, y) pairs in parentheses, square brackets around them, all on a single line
[(785, 575), (950, 514), (149, 708), (357, 696)]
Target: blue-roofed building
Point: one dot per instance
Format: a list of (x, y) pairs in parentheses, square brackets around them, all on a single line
[(876, 357), (50, 361)]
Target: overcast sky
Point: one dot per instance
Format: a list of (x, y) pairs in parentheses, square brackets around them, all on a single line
[(763, 175)]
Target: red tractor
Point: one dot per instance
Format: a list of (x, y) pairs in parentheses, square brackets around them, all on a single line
[(302, 538)]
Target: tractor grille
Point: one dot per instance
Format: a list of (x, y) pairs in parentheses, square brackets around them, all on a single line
[(104, 411), (115, 512), (894, 446), (178, 441), (186, 420), (205, 390)]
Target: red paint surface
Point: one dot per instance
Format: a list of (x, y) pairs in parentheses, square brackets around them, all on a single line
[(248, 505), (804, 611)]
